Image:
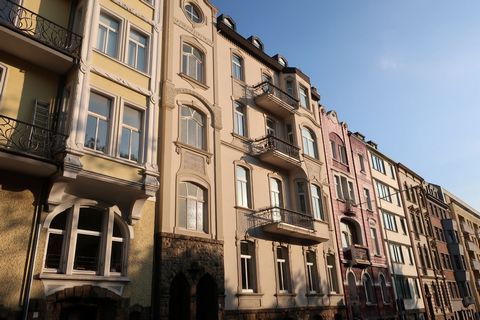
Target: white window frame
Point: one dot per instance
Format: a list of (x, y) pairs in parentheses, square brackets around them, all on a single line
[(396, 252), (195, 17), (303, 97), (109, 30), (332, 274), (98, 117), (312, 273), (248, 274), (137, 45), (3, 77), (384, 192), (199, 73), (237, 67), (390, 221), (378, 164), (200, 127), (243, 187), (317, 202), (309, 143), (204, 203), (239, 119), (345, 188), (140, 132), (376, 244), (283, 270), (368, 199)]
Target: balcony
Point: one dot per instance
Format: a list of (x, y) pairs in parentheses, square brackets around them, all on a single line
[(357, 255), (472, 246), (466, 228), (277, 152), (467, 301), (475, 265), (274, 99), (27, 148), (37, 39), (292, 224)]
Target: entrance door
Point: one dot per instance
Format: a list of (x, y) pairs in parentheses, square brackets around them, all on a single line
[(79, 312), (179, 304), (207, 299)]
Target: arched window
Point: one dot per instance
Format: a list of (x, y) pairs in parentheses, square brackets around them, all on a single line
[(247, 264), (352, 286), (349, 233), (99, 242), (368, 287), (192, 204), (309, 143), (192, 126), (339, 152), (383, 288), (193, 62), (237, 67), (193, 13), (243, 187), (317, 205)]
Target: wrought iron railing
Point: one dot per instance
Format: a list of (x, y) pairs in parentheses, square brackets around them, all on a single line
[(270, 142), (277, 214), (266, 87), (29, 23), (21, 137)]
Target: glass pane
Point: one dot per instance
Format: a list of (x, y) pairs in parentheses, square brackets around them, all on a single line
[(102, 33), (182, 189), (90, 132), (244, 274), (132, 117), (192, 134), (102, 135), (182, 213), (135, 147), (184, 131), (200, 222), (125, 143), (117, 232), (99, 104), (116, 257), (54, 251), (90, 219), (131, 53), (185, 64), (86, 253), (191, 214), (112, 44), (141, 55), (59, 221)]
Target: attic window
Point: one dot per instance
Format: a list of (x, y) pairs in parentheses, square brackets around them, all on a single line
[(229, 23), (193, 13), (282, 61)]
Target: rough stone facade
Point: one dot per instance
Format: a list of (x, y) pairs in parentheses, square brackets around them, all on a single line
[(298, 313)]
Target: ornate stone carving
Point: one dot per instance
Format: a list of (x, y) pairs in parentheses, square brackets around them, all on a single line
[(134, 12), (197, 34), (193, 162), (120, 80)]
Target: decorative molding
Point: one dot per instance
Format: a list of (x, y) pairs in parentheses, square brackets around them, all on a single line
[(188, 28), (120, 80), (168, 94), (214, 109), (135, 13)]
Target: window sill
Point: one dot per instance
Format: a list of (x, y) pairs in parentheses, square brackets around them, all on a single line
[(370, 304), (193, 80), (205, 153), (306, 156), (249, 294), (107, 157), (239, 81), (334, 294), (285, 294), (244, 208), (85, 277), (240, 137), (314, 294), (143, 73), (191, 233)]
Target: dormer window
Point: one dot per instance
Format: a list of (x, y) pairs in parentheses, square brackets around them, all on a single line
[(256, 42), (193, 13), (228, 22), (283, 62)]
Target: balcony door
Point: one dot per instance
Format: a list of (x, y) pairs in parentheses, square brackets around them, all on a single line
[(271, 127), (9, 12), (276, 198)]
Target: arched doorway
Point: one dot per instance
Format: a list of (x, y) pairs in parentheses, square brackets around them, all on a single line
[(179, 304), (428, 297), (87, 308), (207, 299)]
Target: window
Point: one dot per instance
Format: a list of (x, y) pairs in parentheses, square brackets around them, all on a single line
[(98, 239), (309, 144), (343, 154), (193, 13), (247, 264), (237, 67), (239, 117), (368, 199), (131, 134), (392, 172), (361, 160), (378, 164), (96, 133), (383, 288), (389, 221), (301, 196), (107, 38), (192, 124), (192, 62), (384, 192), (271, 127), (410, 256), (243, 187), (332, 274), (402, 287), (283, 272), (376, 246), (192, 204), (138, 51), (312, 275), (349, 234), (289, 88), (396, 253), (344, 187), (368, 286), (333, 145), (317, 205), (303, 95), (403, 225)]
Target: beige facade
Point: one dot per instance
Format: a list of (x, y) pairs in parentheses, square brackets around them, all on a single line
[(396, 233)]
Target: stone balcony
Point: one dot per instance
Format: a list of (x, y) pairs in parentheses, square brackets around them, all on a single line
[(357, 255), (466, 228), (274, 100), (472, 246), (277, 152)]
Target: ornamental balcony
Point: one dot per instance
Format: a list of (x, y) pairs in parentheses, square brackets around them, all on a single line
[(277, 152), (466, 228), (292, 225), (275, 100), (37, 39), (472, 246), (28, 148), (357, 255), (475, 265)]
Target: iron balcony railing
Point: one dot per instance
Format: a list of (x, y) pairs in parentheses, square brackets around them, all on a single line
[(32, 25), (270, 143), (21, 137), (277, 214), (266, 87)]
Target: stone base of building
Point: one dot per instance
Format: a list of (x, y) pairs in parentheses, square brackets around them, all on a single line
[(189, 278), (297, 313)]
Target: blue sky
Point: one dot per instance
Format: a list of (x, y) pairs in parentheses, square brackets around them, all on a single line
[(404, 73)]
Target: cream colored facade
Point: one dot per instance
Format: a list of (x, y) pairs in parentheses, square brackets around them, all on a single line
[(396, 233), (81, 220)]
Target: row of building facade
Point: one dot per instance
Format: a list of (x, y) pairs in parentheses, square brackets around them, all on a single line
[(156, 164)]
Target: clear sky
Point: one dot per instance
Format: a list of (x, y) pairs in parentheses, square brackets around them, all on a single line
[(406, 74)]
